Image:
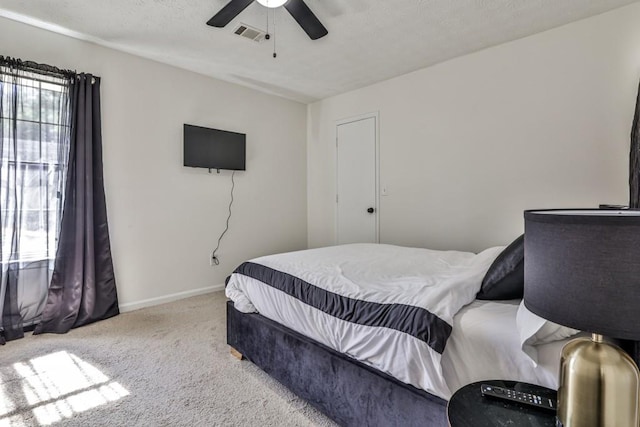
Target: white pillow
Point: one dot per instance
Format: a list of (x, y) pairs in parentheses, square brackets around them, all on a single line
[(535, 330)]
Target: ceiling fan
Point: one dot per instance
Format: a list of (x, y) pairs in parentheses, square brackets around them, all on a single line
[(297, 8)]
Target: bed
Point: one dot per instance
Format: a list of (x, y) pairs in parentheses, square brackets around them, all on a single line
[(380, 334)]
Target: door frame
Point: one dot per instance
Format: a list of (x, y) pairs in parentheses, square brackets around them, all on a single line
[(376, 116)]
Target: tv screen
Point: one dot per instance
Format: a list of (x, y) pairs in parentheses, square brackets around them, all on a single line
[(213, 148)]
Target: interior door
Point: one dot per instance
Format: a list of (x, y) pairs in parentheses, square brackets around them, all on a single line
[(357, 207)]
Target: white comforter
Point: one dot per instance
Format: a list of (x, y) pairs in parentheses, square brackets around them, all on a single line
[(436, 282)]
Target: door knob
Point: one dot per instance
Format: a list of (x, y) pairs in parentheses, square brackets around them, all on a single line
[(371, 210)]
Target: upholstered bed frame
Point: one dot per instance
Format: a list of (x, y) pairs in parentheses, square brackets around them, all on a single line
[(347, 391)]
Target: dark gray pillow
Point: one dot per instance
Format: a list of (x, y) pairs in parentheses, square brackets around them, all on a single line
[(505, 278)]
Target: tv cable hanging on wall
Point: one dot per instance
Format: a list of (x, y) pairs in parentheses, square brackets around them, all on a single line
[(214, 258)]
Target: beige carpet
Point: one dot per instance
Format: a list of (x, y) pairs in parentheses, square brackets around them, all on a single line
[(161, 366)]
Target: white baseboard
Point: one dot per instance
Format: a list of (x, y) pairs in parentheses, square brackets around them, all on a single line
[(130, 306)]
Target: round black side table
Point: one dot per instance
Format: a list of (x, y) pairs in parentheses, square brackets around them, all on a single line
[(468, 408)]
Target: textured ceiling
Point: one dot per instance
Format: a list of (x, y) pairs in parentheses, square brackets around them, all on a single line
[(368, 41)]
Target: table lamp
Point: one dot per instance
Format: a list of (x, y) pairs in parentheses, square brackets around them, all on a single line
[(582, 270)]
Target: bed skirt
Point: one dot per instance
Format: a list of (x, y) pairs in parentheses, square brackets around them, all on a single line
[(347, 391)]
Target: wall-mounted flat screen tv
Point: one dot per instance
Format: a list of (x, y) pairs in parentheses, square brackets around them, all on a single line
[(213, 148)]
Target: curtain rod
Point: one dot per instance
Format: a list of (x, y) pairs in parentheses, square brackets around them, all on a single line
[(45, 69)]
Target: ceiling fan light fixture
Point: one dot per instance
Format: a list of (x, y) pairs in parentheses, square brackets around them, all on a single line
[(272, 3), (296, 8)]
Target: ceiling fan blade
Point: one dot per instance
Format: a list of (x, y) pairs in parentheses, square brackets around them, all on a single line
[(227, 13), (307, 20)]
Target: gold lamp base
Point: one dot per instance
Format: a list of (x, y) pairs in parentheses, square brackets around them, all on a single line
[(599, 385)]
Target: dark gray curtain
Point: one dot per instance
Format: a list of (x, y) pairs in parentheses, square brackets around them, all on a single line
[(634, 159), (83, 287), (34, 148)]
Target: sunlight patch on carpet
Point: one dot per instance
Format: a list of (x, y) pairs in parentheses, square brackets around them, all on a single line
[(57, 386)]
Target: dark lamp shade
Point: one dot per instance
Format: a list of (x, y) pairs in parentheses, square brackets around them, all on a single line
[(582, 269)]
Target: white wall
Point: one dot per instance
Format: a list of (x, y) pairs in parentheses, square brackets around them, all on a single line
[(467, 145), (165, 218)]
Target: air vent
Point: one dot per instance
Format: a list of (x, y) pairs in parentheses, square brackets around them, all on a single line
[(250, 33)]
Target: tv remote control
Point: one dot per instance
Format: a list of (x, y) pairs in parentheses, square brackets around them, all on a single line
[(519, 397)]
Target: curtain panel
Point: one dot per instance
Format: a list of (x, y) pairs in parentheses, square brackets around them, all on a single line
[(83, 287), (634, 159), (34, 149)]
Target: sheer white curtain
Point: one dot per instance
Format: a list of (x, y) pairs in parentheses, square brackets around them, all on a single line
[(34, 150)]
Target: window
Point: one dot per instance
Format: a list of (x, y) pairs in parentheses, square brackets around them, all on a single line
[(33, 157)]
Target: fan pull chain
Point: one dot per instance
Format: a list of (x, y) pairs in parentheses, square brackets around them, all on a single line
[(267, 36), (274, 34)]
